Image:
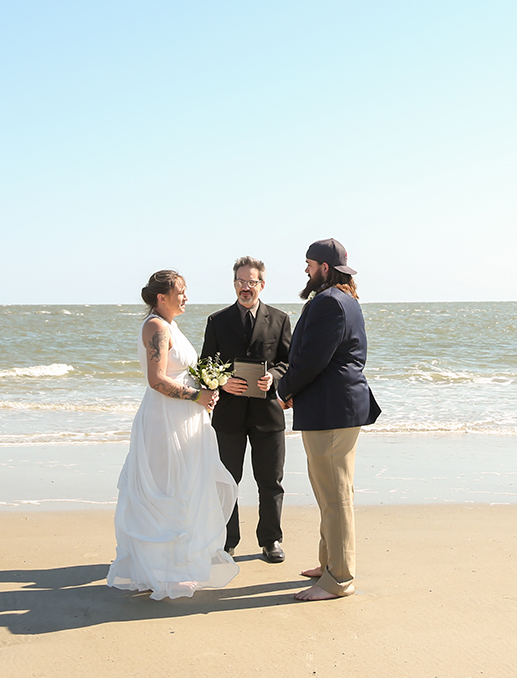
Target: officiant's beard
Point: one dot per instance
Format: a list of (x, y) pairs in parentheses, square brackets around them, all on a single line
[(313, 284)]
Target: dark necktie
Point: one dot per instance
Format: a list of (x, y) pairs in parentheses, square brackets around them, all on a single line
[(248, 326)]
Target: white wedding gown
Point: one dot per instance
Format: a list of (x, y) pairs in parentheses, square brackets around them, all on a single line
[(175, 495)]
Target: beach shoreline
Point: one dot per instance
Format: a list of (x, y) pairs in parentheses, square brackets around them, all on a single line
[(391, 469), (436, 596)]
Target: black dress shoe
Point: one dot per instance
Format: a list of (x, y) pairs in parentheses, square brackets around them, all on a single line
[(273, 552)]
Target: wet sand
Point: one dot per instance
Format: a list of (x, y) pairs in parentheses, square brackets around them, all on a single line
[(390, 470)]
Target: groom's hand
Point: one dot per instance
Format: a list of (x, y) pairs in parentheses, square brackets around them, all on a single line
[(285, 405), (235, 386)]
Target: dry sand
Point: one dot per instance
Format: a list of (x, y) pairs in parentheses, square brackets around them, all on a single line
[(437, 597)]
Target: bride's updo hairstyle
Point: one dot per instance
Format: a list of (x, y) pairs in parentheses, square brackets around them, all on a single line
[(161, 282)]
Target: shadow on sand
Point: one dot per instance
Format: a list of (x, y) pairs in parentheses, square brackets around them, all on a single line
[(68, 598)]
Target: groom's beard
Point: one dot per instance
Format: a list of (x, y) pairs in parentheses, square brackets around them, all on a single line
[(312, 284)]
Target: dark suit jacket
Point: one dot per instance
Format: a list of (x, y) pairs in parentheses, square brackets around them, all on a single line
[(326, 360), (224, 334)]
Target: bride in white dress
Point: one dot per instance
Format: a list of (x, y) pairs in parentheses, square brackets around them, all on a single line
[(175, 495)]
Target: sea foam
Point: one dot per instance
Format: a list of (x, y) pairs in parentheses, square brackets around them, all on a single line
[(54, 370)]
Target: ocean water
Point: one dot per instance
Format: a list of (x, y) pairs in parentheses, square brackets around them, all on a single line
[(70, 375)]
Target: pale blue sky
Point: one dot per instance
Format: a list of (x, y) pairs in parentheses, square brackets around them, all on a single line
[(138, 136)]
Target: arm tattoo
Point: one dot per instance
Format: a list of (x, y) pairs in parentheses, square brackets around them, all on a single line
[(176, 390), (157, 344), (156, 348)]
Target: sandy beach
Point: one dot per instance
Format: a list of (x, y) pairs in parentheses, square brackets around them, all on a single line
[(436, 597)]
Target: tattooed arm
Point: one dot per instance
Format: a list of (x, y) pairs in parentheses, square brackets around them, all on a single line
[(158, 342)]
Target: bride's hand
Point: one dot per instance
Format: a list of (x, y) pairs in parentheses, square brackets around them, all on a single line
[(208, 398)]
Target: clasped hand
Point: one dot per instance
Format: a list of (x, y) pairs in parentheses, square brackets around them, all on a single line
[(285, 405), (208, 398)]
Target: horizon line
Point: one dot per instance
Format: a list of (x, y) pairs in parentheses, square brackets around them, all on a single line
[(269, 303)]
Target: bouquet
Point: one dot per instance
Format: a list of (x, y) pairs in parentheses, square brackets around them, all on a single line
[(211, 372)]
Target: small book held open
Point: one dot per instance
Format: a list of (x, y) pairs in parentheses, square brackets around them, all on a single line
[(251, 371)]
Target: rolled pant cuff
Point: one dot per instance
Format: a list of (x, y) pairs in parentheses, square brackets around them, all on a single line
[(329, 584)]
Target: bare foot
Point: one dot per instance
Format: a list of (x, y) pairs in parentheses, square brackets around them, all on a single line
[(314, 572), (314, 593), (188, 584)]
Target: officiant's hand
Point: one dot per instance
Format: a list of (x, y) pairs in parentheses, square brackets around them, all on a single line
[(235, 386), (264, 383)]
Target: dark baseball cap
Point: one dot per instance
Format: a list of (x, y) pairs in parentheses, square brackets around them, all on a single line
[(331, 252)]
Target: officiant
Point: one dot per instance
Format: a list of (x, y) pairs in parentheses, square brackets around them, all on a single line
[(249, 330)]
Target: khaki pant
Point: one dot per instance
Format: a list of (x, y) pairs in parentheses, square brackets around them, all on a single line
[(331, 463)]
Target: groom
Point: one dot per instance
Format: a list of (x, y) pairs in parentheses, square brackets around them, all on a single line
[(251, 330), (332, 401)]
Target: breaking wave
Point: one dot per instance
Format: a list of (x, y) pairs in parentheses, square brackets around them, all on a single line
[(54, 370)]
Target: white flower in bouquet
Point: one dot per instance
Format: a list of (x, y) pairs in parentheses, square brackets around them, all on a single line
[(211, 372)]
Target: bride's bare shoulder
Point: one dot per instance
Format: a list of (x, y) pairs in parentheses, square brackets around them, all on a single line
[(154, 326)]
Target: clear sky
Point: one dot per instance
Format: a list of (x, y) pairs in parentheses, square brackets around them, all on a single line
[(139, 135)]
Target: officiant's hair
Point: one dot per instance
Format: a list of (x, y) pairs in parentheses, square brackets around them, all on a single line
[(252, 263), (160, 282)]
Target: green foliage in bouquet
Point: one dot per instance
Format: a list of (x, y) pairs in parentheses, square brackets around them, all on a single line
[(211, 372)]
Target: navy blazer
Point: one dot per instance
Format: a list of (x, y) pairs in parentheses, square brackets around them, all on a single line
[(325, 376), (270, 341)]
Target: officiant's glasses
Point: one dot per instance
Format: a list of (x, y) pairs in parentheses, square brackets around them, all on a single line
[(243, 283)]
